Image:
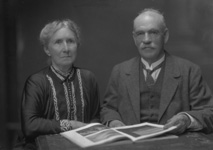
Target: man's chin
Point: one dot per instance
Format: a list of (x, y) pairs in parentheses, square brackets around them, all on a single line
[(149, 57)]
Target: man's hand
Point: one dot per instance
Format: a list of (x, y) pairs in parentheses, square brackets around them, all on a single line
[(181, 121), (116, 123)]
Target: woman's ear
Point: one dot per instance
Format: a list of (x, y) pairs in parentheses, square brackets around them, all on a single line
[(46, 50)]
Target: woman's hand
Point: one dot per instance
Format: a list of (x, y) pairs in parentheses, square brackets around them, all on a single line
[(67, 125), (77, 124)]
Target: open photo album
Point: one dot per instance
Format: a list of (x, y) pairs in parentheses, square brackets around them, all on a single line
[(97, 134)]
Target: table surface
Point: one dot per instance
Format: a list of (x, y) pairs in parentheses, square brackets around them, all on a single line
[(188, 141)]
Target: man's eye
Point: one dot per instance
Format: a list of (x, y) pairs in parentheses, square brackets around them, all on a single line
[(154, 32), (139, 33)]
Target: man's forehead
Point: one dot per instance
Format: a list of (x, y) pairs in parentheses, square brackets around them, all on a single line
[(148, 20)]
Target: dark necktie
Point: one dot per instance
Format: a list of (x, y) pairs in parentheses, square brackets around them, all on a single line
[(149, 79)]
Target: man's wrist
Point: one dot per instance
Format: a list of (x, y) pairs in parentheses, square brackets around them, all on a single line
[(188, 119)]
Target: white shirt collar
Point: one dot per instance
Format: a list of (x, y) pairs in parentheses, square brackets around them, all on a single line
[(153, 65)]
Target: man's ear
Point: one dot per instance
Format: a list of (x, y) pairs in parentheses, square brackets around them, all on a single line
[(166, 36), (133, 36), (46, 50)]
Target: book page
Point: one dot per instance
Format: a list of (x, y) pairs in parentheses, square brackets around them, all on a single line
[(92, 134), (105, 136), (90, 129), (143, 131)]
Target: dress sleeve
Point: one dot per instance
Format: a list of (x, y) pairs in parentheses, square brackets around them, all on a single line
[(34, 103)]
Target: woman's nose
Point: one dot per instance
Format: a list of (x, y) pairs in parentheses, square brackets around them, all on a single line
[(65, 46)]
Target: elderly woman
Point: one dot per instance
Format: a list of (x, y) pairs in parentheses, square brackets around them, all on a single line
[(60, 97)]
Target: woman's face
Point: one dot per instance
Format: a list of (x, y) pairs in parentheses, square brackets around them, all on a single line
[(62, 48)]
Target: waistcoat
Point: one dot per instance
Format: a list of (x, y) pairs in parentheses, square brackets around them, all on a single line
[(150, 97)]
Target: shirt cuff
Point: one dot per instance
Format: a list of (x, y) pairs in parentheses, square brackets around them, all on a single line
[(108, 122)]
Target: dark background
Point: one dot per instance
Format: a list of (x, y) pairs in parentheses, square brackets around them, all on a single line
[(106, 27)]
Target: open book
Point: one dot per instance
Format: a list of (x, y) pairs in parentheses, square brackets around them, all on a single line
[(96, 133)]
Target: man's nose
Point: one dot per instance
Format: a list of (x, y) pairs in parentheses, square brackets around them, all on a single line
[(147, 38)]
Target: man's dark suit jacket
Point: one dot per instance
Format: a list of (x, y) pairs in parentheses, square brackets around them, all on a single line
[(183, 90)]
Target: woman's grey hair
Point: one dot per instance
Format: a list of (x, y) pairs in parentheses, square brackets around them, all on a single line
[(50, 28)]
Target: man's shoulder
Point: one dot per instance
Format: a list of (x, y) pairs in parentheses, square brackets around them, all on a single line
[(128, 63), (183, 61)]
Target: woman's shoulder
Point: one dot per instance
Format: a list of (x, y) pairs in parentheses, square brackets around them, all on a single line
[(39, 75), (85, 73)]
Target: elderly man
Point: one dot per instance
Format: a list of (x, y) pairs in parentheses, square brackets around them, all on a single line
[(157, 87)]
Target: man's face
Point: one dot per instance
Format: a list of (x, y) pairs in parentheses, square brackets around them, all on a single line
[(149, 36), (62, 48)]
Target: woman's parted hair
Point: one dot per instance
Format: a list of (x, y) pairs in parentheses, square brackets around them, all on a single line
[(50, 28)]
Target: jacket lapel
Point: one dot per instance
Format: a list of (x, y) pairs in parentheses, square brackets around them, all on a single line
[(170, 84), (132, 75)]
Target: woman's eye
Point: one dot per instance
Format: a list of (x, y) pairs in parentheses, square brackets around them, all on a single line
[(58, 41), (70, 41)]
